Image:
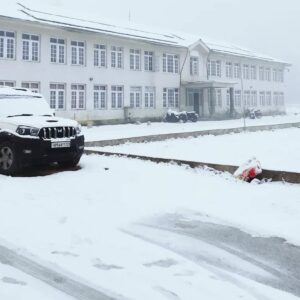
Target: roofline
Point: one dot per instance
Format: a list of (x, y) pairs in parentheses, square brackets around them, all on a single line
[(46, 23), (250, 56)]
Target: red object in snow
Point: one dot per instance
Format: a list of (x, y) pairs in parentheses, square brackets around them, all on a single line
[(249, 170)]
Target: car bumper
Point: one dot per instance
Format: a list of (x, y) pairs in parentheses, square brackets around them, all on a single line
[(38, 151)]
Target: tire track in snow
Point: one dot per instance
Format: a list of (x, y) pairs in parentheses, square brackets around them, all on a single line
[(56, 279), (225, 250)]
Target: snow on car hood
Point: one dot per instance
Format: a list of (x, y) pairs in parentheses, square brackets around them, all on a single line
[(39, 121)]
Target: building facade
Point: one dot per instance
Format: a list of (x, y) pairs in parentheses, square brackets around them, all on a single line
[(102, 74)]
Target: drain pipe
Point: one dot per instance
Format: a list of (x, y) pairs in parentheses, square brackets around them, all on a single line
[(180, 74)]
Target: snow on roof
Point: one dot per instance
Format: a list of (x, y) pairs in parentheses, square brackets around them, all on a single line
[(139, 32)]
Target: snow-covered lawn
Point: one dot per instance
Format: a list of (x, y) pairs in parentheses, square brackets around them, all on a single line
[(78, 220), (278, 149), (108, 132)]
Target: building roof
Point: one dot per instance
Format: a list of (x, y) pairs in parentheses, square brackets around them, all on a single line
[(138, 32)]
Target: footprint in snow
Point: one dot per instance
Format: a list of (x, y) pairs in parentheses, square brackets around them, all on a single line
[(10, 280), (65, 253), (163, 263), (97, 263)]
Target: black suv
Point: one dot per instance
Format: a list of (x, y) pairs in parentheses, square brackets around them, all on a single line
[(30, 134)]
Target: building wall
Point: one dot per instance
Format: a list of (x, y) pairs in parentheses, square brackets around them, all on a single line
[(46, 72), (277, 88)]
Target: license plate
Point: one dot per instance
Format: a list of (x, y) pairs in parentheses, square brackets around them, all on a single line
[(60, 145)]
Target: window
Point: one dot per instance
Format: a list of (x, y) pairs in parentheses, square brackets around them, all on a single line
[(261, 73), (194, 66), (246, 72), (7, 44), (237, 71), (229, 70), (170, 97), (247, 99), (31, 47), (253, 98), (100, 55), (281, 99), (269, 98), (100, 96), (117, 57), (33, 86), (149, 61), (228, 97), (276, 98), (7, 83), (280, 76), (214, 68), (77, 96), (237, 98), (219, 97), (135, 97), (150, 97), (170, 63), (268, 74), (78, 53), (58, 51), (253, 73), (262, 99), (57, 95), (117, 94), (135, 59)]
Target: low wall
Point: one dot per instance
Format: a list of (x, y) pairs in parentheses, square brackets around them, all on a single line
[(273, 175)]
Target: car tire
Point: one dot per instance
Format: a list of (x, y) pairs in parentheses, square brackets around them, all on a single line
[(8, 159)]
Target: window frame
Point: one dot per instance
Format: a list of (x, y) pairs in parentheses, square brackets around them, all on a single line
[(168, 100), (100, 92), (78, 96), (57, 49), (78, 47), (57, 90), (117, 94), (6, 45), (30, 83), (100, 53), (170, 63), (30, 47)]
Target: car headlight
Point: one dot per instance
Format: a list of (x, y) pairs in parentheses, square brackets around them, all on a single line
[(26, 130), (78, 129)]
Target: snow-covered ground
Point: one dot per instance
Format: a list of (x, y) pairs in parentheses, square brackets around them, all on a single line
[(108, 132), (15, 285), (80, 221), (277, 150)]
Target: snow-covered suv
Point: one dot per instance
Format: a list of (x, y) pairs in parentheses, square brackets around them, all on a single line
[(30, 134)]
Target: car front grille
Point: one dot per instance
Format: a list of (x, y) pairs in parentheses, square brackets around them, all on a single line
[(48, 133)]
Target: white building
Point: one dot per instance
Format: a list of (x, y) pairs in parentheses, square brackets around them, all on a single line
[(102, 73)]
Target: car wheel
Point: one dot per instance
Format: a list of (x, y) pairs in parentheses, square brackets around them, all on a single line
[(8, 159)]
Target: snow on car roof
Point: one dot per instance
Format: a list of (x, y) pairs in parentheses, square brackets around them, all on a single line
[(138, 32), (15, 91)]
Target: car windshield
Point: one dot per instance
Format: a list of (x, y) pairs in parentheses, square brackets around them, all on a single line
[(16, 105)]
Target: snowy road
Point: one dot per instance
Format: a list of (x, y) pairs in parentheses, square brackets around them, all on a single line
[(79, 222), (227, 251)]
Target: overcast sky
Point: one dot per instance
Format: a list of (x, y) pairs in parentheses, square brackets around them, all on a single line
[(270, 26)]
